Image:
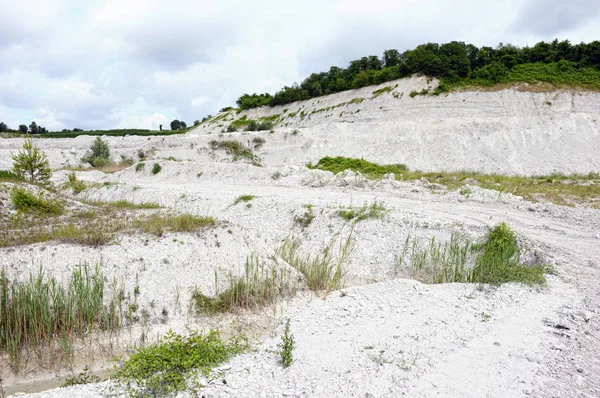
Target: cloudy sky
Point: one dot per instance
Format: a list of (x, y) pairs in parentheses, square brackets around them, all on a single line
[(140, 63)]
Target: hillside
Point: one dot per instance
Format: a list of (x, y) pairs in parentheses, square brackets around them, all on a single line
[(394, 281)]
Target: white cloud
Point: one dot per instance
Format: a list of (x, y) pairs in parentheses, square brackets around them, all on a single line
[(109, 63)]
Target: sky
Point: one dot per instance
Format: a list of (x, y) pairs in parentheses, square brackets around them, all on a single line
[(103, 64)]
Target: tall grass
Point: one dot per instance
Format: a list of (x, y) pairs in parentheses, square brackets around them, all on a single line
[(368, 169), (41, 314), (495, 259), (157, 224), (323, 271), (258, 286)]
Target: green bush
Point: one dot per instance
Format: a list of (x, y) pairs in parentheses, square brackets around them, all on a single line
[(25, 201), (162, 368), (99, 153), (156, 168), (366, 168)]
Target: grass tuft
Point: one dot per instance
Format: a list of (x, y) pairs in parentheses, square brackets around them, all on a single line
[(368, 169), (356, 214), (243, 198)]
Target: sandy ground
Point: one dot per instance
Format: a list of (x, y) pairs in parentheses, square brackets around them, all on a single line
[(384, 336)]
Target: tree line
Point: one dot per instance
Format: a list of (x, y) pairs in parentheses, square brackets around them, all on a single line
[(452, 63)]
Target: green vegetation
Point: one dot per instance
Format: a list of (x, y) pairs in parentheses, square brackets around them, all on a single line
[(286, 347), (112, 133), (31, 163), (157, 224), (323, 271), (306, 218), (25, 201), (253, 125), (237, 149), (85, 377), (41, 315), (258, 286), (383, 90), (495, 260), (75, 184), (156, 168), (356, 214), (456, 64), (162, 368), (243, 198), (139, 167), (98, 154), (125, 204), (368, 169), (557, 188), (9, 176)]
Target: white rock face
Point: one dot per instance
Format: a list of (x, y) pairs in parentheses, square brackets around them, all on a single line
[(383, 335)]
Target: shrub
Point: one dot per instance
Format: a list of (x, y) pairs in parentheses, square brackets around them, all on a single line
[(156, 168), (75, 184), (366, 168), (99, 153), (162, 368), (31, 164), (243, 198), (231, 128), (139, 167), (25, 201)]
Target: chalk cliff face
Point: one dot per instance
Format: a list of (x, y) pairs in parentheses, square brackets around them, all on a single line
[(509, 131)]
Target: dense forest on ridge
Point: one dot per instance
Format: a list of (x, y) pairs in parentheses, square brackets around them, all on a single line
[(455, 64)]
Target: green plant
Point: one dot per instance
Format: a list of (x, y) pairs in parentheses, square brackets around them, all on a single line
[(41, 312), (75, 184), (159, 224), (99, 153), (162, 368), (374, 210), (237, 149), (243, 198), (323, 271), (368, 169), (495, 260), (156, 168), (286, 347), (85, 377), (306, 218), (25, 201), (139, 167), (258, 142), (9, 176), (258, 286), (30, 163)]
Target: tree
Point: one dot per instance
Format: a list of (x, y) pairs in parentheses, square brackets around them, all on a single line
[(99, 153), (182, 125), (175, 125), (196, 122), (3, 127), (33, 128), (23, 129), (31, 163)]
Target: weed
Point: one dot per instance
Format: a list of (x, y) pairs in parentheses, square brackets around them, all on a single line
[(368, 169), (243, 198), (258, 142), (237, 149), (40, 312), (85, 377), (159, 224), (465, 191), (258, 286), (374, 210), (25, 201), (9, 176), (162, 368), (306, 218), (286, 347), (156, 168), (323, 271), (495, 260), (75, 184), (139, 167), (382, 90)]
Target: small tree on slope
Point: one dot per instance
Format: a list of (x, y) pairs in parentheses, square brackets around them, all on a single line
[(31, 163)]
